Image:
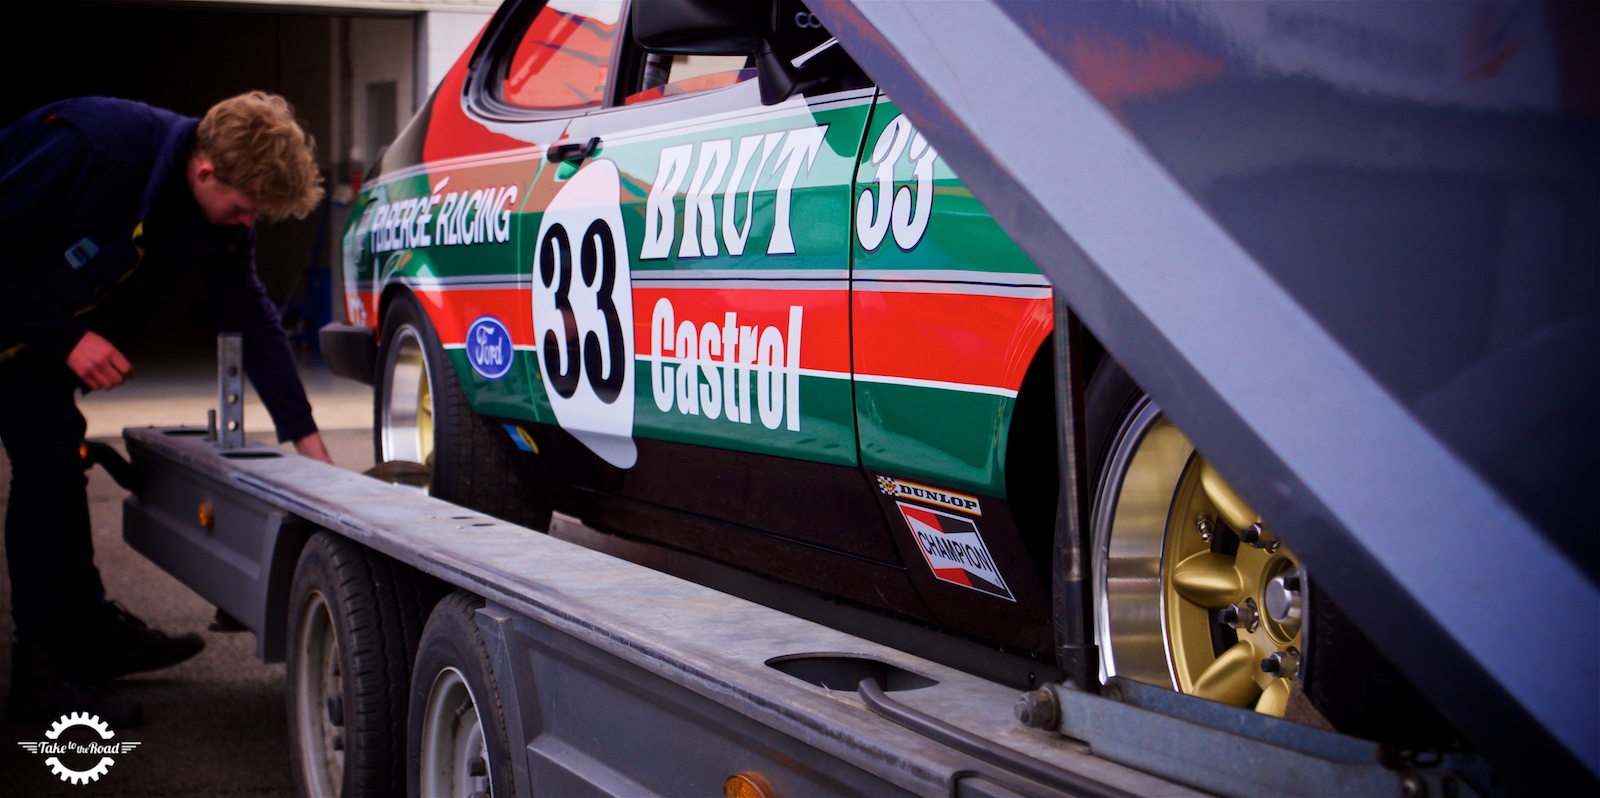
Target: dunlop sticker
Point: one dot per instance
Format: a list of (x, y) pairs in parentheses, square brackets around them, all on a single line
[(910, 490)]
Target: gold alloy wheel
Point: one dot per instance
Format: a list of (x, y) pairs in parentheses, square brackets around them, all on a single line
[(407, 432), (1194, 593)]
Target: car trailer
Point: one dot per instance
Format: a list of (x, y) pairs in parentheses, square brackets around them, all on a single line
[(582, 673)]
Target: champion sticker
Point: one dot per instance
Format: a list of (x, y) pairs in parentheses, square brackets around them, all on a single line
[(489, 347), (955, 550), (910, 490)]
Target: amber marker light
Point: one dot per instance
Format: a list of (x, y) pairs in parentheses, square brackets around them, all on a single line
[(747, 785), (207, 516)]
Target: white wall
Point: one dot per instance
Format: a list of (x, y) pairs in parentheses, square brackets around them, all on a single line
[(381, 50), (442, 36)]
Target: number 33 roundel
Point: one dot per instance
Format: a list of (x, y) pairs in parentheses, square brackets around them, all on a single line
[(583, 313)]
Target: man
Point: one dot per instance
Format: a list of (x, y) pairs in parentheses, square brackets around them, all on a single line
[(104, 205)]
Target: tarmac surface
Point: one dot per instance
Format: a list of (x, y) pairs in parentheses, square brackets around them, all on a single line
[(215, 725)]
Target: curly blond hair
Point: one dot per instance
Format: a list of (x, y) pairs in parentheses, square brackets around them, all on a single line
[(260, 150)]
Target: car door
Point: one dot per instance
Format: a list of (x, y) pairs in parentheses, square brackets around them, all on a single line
[(949, 318)]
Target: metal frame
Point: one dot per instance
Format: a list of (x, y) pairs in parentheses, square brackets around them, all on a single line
[(1409, 539), (653, 657)]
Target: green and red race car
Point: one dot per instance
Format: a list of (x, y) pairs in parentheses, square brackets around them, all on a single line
[(736, 310)]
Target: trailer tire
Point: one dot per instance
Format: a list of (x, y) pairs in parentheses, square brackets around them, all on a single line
[(421, 415), (457, 723), (355, 619)]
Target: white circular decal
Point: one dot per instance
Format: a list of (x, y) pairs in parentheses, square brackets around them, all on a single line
[(583, 313)]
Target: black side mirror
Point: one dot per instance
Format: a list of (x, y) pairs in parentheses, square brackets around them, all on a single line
[(720, 27), (701, 27)]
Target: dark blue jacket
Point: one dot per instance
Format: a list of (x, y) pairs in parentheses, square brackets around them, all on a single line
[(97, 219)]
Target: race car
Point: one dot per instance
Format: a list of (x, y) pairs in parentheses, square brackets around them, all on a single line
[(681, 271)]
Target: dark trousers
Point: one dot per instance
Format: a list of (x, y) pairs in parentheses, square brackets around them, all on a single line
[(49, 549)]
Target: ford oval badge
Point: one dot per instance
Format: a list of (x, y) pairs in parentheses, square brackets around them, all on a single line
[(489, 347)]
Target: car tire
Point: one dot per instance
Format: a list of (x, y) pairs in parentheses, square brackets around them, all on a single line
[(354, 621), (1330, 676), (1225, 619), (456, 725), (421, 415)]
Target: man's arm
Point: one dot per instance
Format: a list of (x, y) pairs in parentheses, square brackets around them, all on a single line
[(241, 304)]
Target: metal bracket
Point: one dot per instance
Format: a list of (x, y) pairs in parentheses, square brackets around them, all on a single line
[(230, 391), (1233, 751)]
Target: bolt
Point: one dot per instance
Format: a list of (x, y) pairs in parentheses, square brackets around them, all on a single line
[(1282, 664), (1038, 709), (1258, 537), (338, 742), (1244, 616), (1203, 525)]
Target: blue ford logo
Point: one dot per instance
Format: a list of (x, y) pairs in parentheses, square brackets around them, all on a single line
[(489, 347)]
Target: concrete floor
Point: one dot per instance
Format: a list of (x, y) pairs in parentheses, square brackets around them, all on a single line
[(215, 725)]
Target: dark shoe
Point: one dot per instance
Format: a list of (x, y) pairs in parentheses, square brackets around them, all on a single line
[(44, 689), (123, 644)]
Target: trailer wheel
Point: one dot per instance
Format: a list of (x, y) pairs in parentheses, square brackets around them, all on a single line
[(457, 726), (354, 621), (421, 415), (1193, 591)]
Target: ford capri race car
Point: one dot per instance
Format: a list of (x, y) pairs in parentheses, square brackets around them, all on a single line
[(726, 304)]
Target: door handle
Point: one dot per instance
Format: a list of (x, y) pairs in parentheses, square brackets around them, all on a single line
[(573, 151)]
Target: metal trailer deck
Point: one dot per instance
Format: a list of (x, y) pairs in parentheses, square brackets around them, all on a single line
[(616, 679), (620, 680)]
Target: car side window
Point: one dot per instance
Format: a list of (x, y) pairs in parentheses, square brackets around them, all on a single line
[(563, 58), (673, 76)]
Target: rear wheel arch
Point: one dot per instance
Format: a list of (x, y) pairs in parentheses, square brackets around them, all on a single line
[(1032, 462), (1032, 455)]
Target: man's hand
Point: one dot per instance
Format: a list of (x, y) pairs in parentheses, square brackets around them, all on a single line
[(98, 363), (311, 446)]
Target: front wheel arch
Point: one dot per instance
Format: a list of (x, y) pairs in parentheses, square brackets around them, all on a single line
[(469, 456)]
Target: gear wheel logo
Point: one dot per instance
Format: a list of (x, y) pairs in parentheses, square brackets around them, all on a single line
[(54, 746)]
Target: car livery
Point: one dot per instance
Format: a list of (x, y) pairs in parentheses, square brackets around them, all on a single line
[(803, 290)]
